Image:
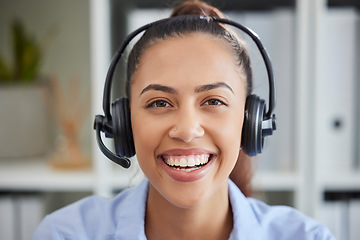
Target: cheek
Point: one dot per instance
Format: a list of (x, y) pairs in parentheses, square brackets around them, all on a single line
[(148, 135), (229, 128), (231, 131), (144, 149), (144, 139)]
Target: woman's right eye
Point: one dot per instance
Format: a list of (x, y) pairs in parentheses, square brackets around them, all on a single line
[(158, 104)]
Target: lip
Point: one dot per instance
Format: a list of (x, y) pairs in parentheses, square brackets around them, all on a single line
[(189, 151), (182, 176)]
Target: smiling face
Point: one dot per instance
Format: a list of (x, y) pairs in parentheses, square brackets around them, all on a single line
[(187, 106)]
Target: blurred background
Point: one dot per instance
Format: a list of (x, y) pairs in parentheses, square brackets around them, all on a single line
[(54, 57)]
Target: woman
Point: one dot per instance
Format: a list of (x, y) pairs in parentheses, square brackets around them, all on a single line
[(188, 81)]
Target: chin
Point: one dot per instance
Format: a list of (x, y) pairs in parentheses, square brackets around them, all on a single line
[(188, 199), (191, 195)]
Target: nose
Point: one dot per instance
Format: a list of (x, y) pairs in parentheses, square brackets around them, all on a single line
[(187, 126)]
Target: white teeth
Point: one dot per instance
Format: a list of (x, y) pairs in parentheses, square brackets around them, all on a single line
[(187, 169), (191, 162), (187, 161), (203, 160), (177, 162), (183, 162), (171, 161), (197, 161)]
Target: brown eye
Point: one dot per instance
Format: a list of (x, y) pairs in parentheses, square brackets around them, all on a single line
[(159, 104), (213, 102)]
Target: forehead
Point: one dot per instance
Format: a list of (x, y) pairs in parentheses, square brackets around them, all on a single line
[(188, 45), (195, 58)]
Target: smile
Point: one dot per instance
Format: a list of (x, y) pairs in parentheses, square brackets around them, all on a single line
[(187, 163)]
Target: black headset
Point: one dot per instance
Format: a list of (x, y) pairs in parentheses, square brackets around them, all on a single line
[(257, 122)]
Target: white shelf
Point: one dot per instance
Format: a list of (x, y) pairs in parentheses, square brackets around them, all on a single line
[(275, 181), (346, 181), (37, 175)]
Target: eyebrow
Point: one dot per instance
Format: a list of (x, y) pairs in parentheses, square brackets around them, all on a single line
[(211, 86), (158, 87), (202, 88)]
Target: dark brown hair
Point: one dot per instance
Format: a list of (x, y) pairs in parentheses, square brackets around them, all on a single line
[(180, 25), (196, 8)]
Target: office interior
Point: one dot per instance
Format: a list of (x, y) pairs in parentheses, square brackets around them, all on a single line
[(48, 153)]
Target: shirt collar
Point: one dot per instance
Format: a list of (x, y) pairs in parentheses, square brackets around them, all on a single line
[(130, 214), (246, 224)]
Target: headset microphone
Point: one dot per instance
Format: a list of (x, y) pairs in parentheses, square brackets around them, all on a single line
[(116, 124), (100, 125)]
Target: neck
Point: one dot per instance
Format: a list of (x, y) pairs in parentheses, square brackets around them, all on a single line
[(210, 220)]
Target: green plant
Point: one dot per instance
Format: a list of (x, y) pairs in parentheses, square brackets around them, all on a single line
[(27, 55)]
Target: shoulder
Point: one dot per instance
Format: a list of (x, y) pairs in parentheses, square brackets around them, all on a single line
[(287, 222), (92, 217), (272, 222), (76, 220)]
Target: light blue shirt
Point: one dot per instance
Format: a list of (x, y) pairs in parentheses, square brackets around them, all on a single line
[(122, 218)]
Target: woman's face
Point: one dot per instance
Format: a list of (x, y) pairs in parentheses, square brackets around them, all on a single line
[(187, 107)]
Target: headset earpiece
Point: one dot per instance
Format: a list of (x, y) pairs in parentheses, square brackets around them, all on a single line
[(252, 140), (122, 131)]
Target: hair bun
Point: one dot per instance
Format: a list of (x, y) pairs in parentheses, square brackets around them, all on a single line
[(196, 8)]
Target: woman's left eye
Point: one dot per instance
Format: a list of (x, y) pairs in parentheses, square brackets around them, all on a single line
[(213, 102)]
